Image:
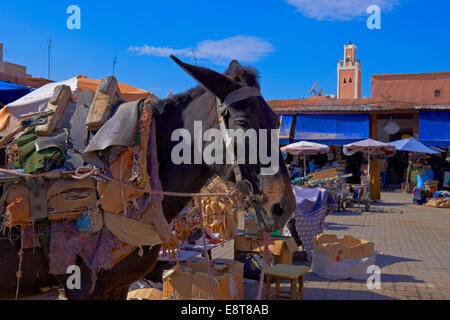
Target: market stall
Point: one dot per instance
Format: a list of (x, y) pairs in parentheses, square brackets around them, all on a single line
[(418, 170), (371, 147), (305, 148)]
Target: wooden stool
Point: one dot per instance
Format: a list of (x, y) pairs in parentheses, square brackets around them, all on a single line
[(286, 272)]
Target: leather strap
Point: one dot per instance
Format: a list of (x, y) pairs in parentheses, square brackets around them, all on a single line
[(222, 109)]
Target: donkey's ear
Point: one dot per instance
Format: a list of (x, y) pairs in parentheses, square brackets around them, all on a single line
[(219, 84)]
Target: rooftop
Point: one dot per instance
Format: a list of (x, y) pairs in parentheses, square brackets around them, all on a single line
[(415, 91)]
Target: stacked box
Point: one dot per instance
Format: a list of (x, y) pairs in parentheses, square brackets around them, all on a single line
[(191, 282)]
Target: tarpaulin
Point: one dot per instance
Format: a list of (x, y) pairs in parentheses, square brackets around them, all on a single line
[(332, 129), (39, 98), (285, 128), (10, 92), (434, 128)]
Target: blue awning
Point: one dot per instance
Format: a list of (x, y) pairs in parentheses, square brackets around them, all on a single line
[(285, 128), (10, 92), (434, 128), (332, 129)]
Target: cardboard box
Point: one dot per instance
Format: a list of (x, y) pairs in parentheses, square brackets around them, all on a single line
[(252, 229), (344, 248), (177, 283), (191, 282), (281, 249), (325, 174), (145, 294)]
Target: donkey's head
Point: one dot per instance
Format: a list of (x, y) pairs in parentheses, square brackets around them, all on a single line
[(249, 152)]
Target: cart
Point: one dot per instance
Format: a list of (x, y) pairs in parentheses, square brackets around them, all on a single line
[(337, 186), (362, 195)]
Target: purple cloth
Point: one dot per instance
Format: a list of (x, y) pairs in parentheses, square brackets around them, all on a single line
[(30, 240), (153, 164), (313, 206), (310, 200), (66, 242)]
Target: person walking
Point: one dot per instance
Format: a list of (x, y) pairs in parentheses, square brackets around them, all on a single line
[(383, 164), (374, 180)]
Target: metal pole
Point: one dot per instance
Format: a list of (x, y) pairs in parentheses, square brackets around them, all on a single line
[(304, 165), (49, 53)]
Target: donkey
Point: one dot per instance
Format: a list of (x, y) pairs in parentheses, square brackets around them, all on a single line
[(272, 194)]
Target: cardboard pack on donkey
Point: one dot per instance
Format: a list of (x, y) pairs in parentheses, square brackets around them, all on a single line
[(191, 282)]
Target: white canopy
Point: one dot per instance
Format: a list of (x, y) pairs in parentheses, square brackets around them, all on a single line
[(371, 146), (306, 147)]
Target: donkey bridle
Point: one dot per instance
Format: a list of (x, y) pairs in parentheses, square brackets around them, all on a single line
[(243, 185)]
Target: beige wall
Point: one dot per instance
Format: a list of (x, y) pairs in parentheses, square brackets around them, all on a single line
[(13, 70), (412, 88)]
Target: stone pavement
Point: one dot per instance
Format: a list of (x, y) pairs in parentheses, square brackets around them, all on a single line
[(413, 252)]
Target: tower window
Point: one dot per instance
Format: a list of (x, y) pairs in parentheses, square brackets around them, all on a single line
[(345, 81), (437, 93), (350, 81)]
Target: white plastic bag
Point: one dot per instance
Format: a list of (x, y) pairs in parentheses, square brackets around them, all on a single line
[(347, 269)]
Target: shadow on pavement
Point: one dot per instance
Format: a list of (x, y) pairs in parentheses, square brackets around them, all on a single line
[(339, 226), (384, 260), (389, 204), (389, 277), (347, 213), (335, 294)]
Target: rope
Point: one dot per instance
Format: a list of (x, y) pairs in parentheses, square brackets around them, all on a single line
[(89, 172), (265, 259), (96, 172), (205, 250), (28, 175), (19, 272)]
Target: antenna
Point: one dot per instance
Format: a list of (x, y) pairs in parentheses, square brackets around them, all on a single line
[(194, 55), (313, 90), (50, 43), (114, 65)]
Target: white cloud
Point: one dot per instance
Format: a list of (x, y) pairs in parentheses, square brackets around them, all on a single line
[(243, 48), (339, 9)]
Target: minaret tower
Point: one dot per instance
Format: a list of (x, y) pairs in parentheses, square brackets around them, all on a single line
[(349, 74)]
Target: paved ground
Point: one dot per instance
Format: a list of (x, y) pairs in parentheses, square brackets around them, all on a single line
[(413, 252)]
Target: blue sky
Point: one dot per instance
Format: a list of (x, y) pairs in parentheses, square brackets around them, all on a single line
[(293, 43)]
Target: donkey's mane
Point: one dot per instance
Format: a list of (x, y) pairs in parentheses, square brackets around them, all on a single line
[(163, 106)]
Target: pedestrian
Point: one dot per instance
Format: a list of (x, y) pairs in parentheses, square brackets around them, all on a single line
[(374, 180), (383, 164), (312, 166)]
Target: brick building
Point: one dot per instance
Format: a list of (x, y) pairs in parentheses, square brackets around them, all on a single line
[(15, 73)]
